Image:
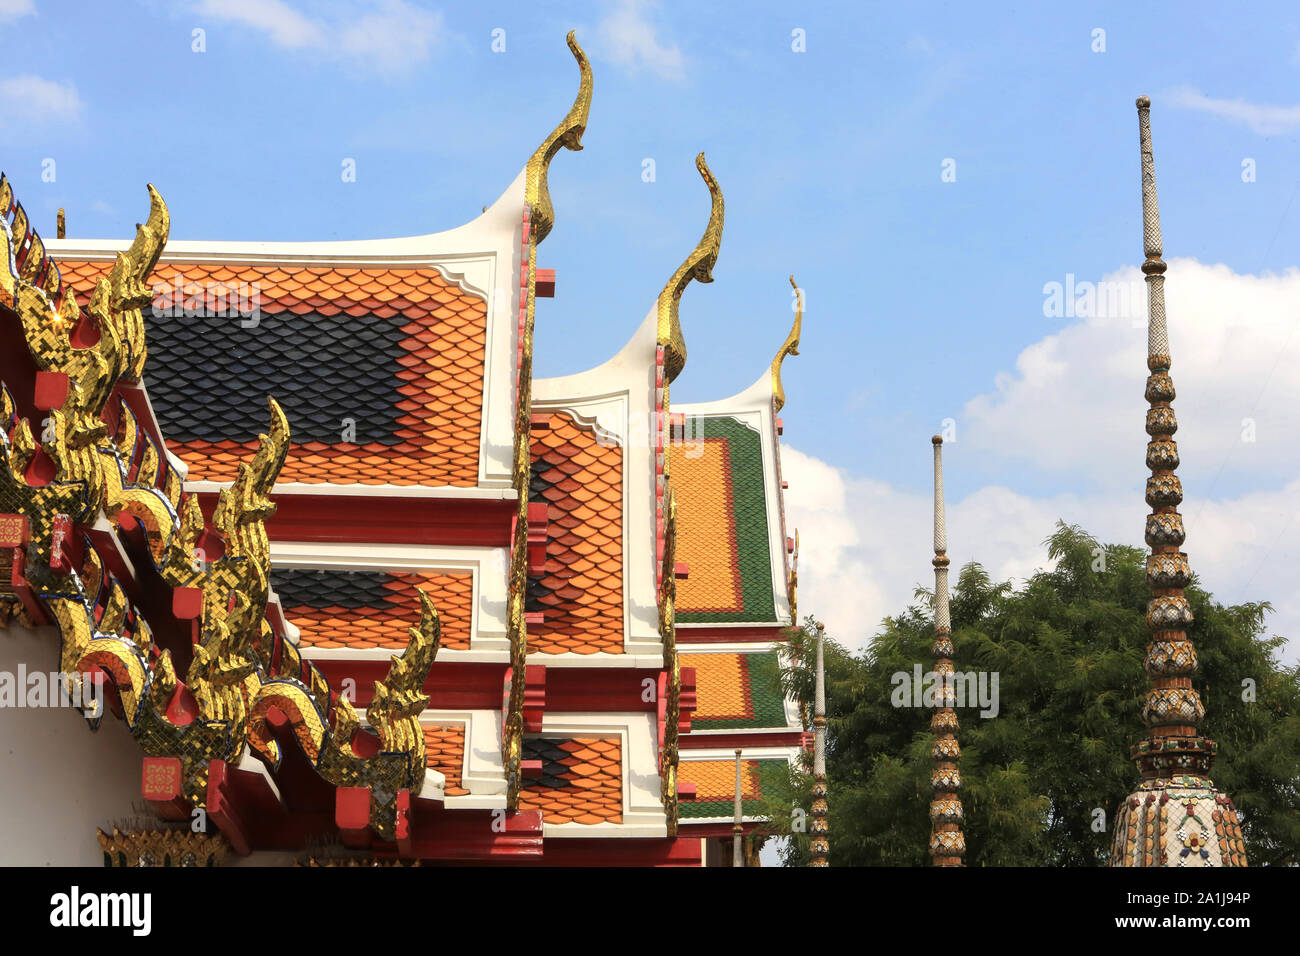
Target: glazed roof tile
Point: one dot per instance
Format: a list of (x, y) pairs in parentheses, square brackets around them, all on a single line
[(722, 531), (390, 358), (581, 781), (365, 610), (715, 786), (580, 592), (444, 750), (737, 691)]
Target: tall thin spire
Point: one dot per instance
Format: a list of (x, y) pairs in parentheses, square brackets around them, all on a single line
[(737, 828), (947, 843), (821, 830), (1176, 817)]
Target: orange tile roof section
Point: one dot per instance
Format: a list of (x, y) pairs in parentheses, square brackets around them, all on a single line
[(441, 388), (706, 535), (580, 593), (444, 751), (370, 628), (721, 686), (716, 779), (594, 772)]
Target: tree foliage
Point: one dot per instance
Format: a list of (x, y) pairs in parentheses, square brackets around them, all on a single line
[(1067, 646)]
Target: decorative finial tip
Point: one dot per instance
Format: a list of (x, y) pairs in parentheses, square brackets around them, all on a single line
[(1144, 102), (937, 439)]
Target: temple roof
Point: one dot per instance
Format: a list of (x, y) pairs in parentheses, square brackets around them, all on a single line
[(367, 610), (579, 593), (396, 354)]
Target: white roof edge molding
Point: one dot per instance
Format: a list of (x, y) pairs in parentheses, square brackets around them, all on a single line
[(499, 223)]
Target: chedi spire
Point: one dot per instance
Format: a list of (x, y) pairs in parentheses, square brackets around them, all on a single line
[(947, 843), (1175, 817)]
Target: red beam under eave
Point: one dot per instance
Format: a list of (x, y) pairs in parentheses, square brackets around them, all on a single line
[(694, 831), (730, 635), (477, 685), (483, 522), (242, 805), (434, 833), (681, 851), (790, 738)]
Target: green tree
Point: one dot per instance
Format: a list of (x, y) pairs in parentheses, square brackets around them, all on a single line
[(1067, 646)]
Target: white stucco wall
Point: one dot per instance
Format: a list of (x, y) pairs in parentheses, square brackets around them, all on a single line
[(59, 781)]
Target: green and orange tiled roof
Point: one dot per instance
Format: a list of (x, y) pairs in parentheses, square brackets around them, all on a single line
[(444, 751), (580, 591), (736, 691), (366, 610), (390, 359), (722, 532), (581, 781), (715, 786)]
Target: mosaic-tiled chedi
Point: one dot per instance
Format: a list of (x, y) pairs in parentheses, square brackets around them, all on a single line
[(947, 842), (1176, 817)]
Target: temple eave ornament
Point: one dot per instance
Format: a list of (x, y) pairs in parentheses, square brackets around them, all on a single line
[(789, 347), (698, 266)]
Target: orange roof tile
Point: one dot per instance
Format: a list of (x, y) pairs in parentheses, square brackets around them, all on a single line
[(444, 750), (581, 782), (441, 334), (385, 626), (580, 592)]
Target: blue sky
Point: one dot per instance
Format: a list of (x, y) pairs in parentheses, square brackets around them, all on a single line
[(922, 295)]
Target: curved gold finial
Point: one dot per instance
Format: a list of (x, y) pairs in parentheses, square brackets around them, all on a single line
[(151, 238), (791, 347), (698, 266), (569, 135)]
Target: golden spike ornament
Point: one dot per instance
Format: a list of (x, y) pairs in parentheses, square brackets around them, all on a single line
[(541, 218), (1176, 817), (790, 347), (669, 757), (947, 842), (698, 266), (567, 135)]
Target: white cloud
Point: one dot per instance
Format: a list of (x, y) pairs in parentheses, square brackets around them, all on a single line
[(865, 545), (388, 36), (1073, 407), (628, 38), (13, 9), (1265, 120), (1073, 411), (38, 100)]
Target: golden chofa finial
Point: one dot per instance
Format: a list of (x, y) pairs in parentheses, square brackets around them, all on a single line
[(698, 266), (569, 135), (61, 225), (791, 347)]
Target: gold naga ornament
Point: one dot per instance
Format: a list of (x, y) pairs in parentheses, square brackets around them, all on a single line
[(230, 684), (541, 219), (789, 347), (698, 266)]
